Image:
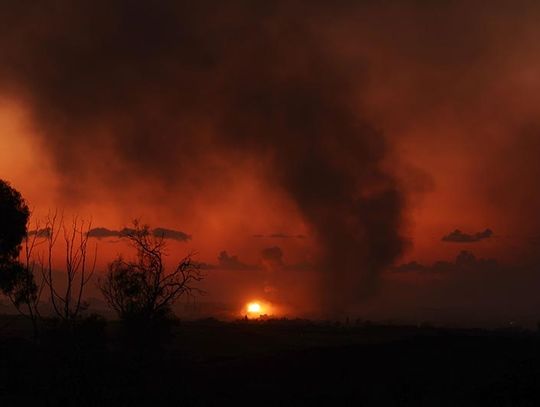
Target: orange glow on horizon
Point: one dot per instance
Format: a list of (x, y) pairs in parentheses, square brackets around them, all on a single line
[(256, 309)]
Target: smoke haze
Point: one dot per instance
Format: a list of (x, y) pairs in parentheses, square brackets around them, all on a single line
[(326, 119)]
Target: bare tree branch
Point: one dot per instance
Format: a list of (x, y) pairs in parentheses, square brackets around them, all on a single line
[(68, 304), (144, 288)]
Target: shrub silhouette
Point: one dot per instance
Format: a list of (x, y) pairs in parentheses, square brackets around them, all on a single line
[(143, 290), (20, 285)]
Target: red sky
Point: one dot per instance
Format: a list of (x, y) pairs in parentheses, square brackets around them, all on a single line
[(452, 88)]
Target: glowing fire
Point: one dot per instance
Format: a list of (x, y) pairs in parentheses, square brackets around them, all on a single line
[(257, 309), (254, 307)]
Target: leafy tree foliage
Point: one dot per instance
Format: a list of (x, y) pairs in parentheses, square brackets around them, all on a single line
[(14, 214)]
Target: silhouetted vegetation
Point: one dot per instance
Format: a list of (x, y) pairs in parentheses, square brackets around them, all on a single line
[(24, 274), (68, 302), (141, 291), (82, 359), (17, 279), (14, 214), (144, 289)]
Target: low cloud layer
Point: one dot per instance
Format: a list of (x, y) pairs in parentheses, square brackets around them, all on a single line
[(44, 232), (464, 261), (232, 262), (457, 236), (271, 259), (103, 233), (280, 236)]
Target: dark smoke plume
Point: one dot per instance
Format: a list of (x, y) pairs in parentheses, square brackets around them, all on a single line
[(142, 91)]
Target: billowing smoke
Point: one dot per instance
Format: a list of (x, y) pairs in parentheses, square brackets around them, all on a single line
[(151, 92)]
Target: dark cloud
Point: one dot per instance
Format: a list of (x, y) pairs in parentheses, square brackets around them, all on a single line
[(464, 261), (103, 233), (227, 262), (274, 254), (300, 266), (412, 266), (457, 236), (533, 240), (280, 236), (44, 232), (171, 234), (285, 236), (272, 258)]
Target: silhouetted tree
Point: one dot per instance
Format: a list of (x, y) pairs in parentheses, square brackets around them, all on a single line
[(14, 214), (25, 292), (17, 279), (67, 300), (143, 289)]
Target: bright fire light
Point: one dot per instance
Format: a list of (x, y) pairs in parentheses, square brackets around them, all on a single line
[(254, 307)]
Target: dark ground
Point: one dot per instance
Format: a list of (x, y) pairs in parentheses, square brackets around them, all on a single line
[(269, 363)]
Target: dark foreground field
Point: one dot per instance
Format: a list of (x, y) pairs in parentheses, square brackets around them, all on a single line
[(270, 363)]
